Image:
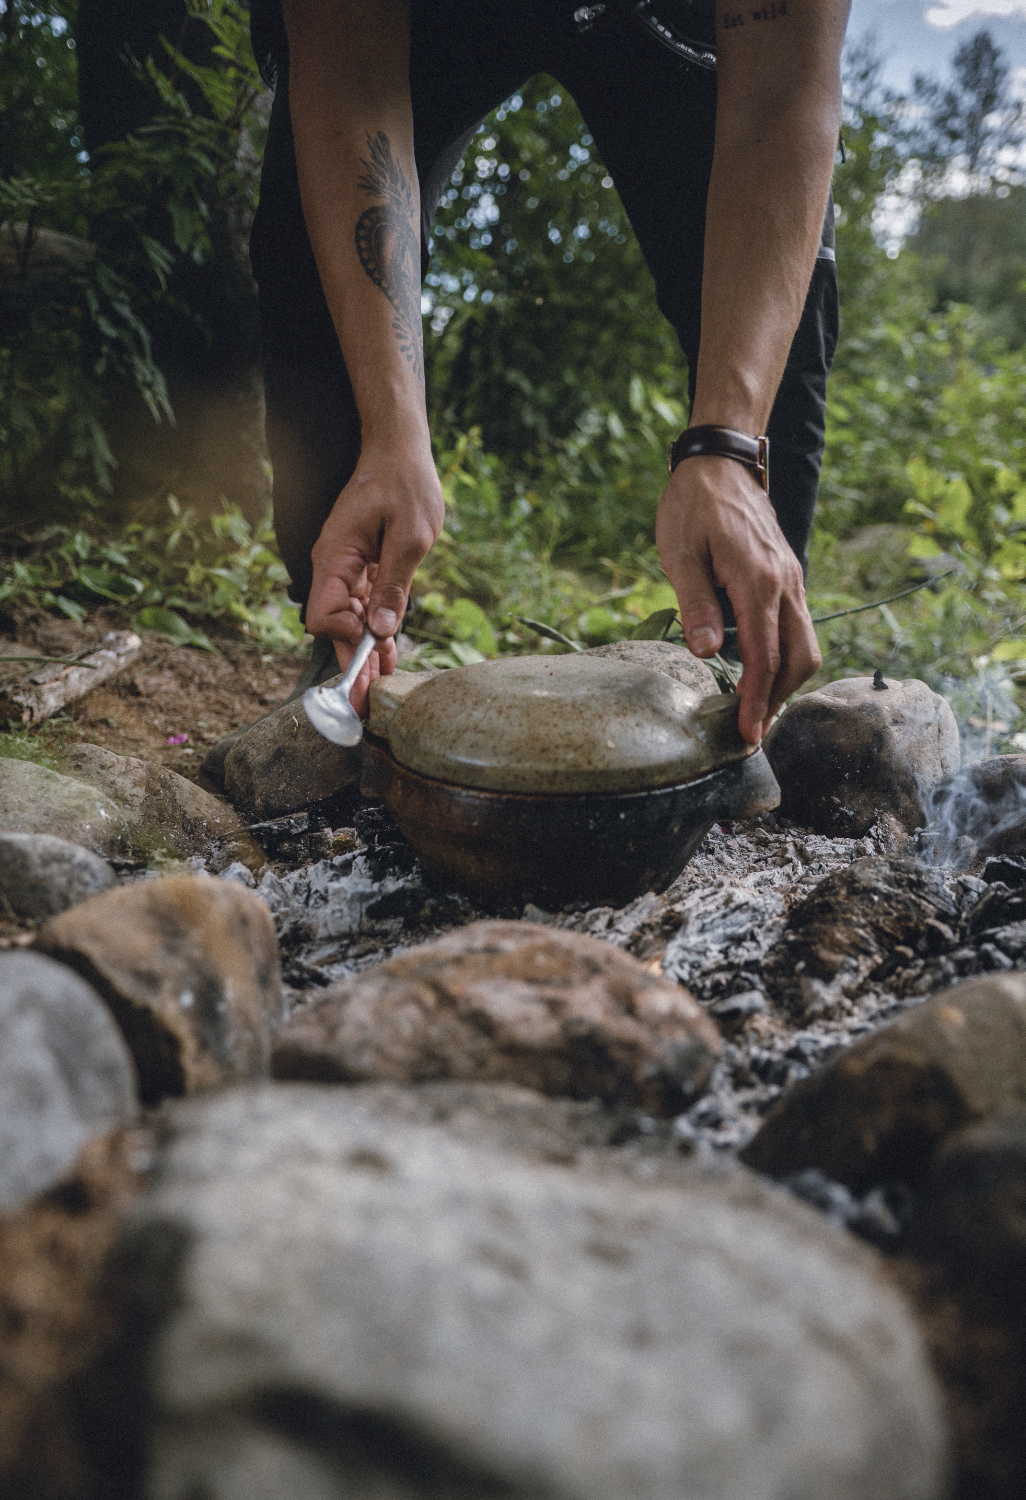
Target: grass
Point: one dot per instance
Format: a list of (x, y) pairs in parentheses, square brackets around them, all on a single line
[(43, 744)]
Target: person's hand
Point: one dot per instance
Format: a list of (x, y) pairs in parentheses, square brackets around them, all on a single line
[(380, 529), (715, 525)]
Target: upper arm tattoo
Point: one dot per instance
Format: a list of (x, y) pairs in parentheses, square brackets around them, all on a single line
[(388, 245)]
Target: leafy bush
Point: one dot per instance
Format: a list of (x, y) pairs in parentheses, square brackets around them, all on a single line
[(213, 570), (89, 245)]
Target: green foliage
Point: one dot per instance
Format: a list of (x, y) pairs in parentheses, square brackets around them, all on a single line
[(43, 744), (70, 321), (912, 379), (188, 163), (168, 573), (76, 311), (39, 115), (973, 251), (542, 329), (492, 583)]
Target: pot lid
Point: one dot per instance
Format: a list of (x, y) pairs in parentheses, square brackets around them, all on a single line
[(557, 724)]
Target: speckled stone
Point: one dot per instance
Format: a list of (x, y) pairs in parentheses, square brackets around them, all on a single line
[(343, 1301)]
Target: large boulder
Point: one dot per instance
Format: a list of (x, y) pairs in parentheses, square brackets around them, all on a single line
[(514, 1002), (281, 764), (34, 799), (65, 1073), (334, 1301), (189, 966), (166, 814), (859, 748), (41, 875), (881, 1109)]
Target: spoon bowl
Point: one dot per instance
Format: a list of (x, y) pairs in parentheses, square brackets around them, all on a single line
[(329, 709)]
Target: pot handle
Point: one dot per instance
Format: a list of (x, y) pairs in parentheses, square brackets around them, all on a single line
[(388, 694), (717, 715)]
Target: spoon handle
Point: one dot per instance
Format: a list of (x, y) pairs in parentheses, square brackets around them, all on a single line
[(367, 643)]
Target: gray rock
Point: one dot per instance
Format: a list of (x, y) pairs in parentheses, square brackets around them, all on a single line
[(373, 1307), (34, 799), (166, 814), (323, 664), (281, 764), (65, 1073), (41, 875), (848, 753)]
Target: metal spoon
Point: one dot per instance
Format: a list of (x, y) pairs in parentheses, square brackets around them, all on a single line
[(329, 709)]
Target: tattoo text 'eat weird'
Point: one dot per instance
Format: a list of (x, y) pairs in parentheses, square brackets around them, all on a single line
[(774, 11)]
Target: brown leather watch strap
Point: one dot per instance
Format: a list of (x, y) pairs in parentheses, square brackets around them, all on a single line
[(723, 442)]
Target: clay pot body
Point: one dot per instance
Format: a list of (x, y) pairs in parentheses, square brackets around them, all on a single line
[(557, 779), (505, 848)]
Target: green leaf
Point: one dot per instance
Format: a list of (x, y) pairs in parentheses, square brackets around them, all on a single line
[(727, 673), (432, 603), (468, 622), (108, 585), (1010, 650), (548, 632), (656, 627), (1010, 560), (953, 511), (923, 546), (600, 627), (167, 622), (465, 654)]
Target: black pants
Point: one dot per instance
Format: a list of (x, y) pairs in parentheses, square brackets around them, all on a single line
[(652, 117)]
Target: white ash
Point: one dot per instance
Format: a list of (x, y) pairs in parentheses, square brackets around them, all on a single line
[(717, 929)]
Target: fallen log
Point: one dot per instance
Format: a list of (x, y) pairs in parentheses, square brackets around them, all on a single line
[(41, 692)]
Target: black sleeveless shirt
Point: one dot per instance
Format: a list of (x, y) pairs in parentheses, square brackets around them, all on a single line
[(694, 21)]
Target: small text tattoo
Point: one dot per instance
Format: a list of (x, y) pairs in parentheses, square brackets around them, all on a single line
[(389, 247), (774, 11)]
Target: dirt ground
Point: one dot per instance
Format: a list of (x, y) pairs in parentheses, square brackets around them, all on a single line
[(168, 691)]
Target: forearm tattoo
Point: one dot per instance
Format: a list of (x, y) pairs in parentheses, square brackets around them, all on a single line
[(776, 10), (389, 247)]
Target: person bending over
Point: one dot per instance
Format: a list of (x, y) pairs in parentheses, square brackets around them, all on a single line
[(722, 155)]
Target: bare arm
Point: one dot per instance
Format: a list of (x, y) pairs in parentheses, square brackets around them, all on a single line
[(353, 130), (778, 113)]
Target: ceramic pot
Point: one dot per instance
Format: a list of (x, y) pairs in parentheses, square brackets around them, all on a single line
[(557, 779)]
